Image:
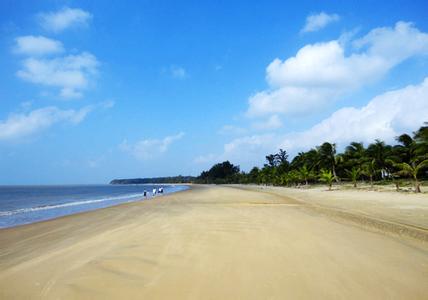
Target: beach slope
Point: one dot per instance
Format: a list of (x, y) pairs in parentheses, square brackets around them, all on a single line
[(210, 242)]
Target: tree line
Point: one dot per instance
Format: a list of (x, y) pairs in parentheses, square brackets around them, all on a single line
[(378, 162), (157, 180)]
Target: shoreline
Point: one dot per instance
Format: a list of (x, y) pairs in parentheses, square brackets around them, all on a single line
[(208, 241), (98, 208)]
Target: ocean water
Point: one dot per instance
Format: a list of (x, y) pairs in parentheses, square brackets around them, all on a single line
[(27, 204)]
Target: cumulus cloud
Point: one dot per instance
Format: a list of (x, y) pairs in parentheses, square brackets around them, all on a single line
[(383, 117), (37, 45), (244, 151), (69, 73), (318, 21), (64, 18), (288, 101), (20, 125), (323, 72), (273, 122), (245, 147), (150, 148)]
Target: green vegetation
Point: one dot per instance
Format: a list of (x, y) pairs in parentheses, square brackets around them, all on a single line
[(354, 174), (327, 177), (379, 162), (224, 172), (174, 179), (412, 170)]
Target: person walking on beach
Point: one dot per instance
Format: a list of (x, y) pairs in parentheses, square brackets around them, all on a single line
[(154, 192), (145, 193)]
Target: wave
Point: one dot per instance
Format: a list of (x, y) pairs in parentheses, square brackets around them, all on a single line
[(129, 197)]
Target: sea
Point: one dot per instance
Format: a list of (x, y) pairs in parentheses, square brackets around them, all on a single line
[(28, 204)]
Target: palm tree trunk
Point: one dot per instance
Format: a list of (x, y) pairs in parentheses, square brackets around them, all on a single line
[(417, 186), (371, 181), (334, 173)]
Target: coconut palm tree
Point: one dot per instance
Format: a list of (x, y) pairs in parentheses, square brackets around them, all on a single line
[(327, 155), (304, 173), (310, 159), (354, 153), (379, 152), (327, 177), (354, 174), (369, 169), (421, 140), (405, 150), (294, 177), (412, 170)]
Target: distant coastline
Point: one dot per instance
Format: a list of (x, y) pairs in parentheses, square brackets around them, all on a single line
[(171, 179)]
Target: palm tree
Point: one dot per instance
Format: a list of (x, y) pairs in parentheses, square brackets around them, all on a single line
[(354, 174), (294, 176), (327, 153), (310, 159), (379, 152), (355, 149), (412, 170), (327, 177), (354, 153), (304, 173), (421, 140), (405, 151), (369, 169)]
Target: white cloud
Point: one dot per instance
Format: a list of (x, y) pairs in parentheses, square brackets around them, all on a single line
[(20, 125), (395, 44), (244, 151), (37, 45), (273, 122), (178, 72), (246, 146), (385, 117), (250, 150), (64, 18), (69, 73), (322, 72), (318, 21), (149, 148), (288, 100)]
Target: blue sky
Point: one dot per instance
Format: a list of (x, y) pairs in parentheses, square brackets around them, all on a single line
[(92, 91)]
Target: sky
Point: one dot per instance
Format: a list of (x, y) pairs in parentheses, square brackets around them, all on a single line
[(96, 90)]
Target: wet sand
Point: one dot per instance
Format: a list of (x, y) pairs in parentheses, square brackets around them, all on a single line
[(211, 243)]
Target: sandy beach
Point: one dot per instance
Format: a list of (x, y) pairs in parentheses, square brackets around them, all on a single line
[(226, 242)]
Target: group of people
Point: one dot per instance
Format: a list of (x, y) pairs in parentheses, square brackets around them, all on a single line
[(154, 191)]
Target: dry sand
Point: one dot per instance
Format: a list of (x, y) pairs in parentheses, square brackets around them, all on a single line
[(210, 243), (404, 212)]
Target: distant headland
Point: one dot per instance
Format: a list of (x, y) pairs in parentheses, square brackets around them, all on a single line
[(171, 179)]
